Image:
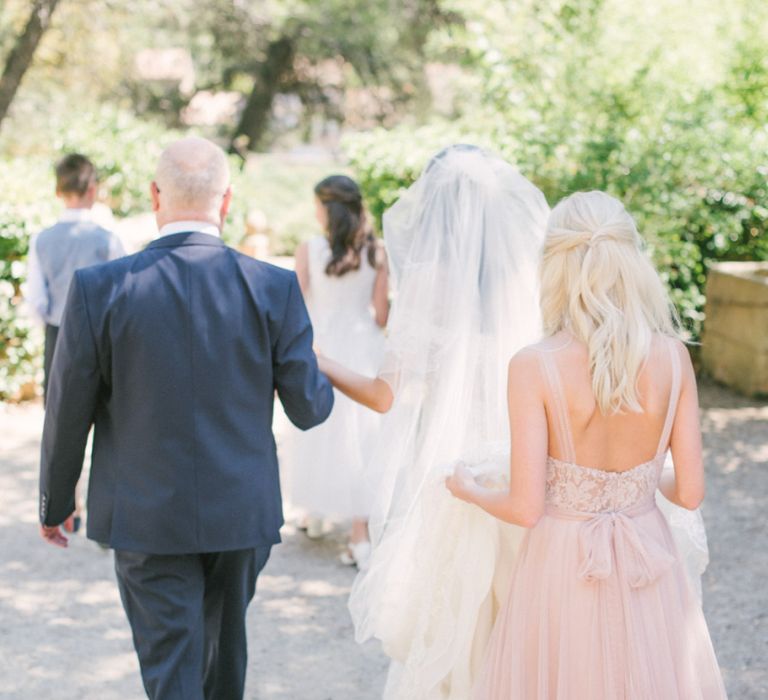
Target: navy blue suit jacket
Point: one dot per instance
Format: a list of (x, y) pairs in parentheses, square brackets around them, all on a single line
[(175, 355)]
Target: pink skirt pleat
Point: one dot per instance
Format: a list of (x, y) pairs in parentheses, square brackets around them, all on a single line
[(562, 638)]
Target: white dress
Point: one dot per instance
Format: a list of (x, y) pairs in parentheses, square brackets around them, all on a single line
[(324, 469)]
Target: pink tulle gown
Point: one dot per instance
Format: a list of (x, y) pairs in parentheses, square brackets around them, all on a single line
[(600, 607)]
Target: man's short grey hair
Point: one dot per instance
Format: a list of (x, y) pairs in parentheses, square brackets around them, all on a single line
[(192, 174)]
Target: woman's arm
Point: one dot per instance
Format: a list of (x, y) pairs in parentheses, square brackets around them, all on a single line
[(685, 487), (523, 503), (381, 288), (375, 393), (301, 259)]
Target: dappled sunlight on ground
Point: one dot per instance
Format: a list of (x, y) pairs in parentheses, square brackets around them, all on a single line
[(63, 633), (302, 640), (735, 511)]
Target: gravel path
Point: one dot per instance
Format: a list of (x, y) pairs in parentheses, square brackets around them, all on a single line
[(63, 634)]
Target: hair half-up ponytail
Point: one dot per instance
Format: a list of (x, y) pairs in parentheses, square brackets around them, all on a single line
[(598, 284)]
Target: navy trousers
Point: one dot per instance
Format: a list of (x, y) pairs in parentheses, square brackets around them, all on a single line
[(187, 614)]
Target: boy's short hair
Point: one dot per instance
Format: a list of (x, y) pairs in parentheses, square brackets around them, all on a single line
[(74, 174)]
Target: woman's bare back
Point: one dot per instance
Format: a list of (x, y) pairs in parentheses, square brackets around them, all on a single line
[(613, 442)]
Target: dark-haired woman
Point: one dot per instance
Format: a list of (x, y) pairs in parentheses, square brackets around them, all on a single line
[(343, 276)]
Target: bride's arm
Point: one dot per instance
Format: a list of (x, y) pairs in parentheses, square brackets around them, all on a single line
[(685, 485), (523, 503), (374, 393), (381, 289), (301, 267)]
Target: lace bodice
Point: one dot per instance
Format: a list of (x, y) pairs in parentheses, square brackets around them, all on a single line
[(573, 487)]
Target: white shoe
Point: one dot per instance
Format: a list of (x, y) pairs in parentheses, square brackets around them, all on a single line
[(314, 528), (357, 555)]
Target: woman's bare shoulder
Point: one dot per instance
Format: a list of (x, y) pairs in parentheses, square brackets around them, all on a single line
[(661, 345), (524, 361)]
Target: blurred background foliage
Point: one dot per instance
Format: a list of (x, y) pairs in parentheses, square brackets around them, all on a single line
[(662, 103)]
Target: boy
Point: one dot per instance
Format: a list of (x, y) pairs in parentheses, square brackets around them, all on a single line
[(75, 241)]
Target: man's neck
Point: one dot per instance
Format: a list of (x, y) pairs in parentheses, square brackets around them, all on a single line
[(73, 200), (164, 218)]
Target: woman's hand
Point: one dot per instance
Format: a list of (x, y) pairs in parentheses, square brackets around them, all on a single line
[(462, 483)]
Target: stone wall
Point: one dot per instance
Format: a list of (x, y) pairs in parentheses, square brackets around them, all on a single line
[(735, 341)]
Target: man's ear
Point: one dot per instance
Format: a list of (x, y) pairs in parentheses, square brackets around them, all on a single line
[(154, 191), (225, 202)]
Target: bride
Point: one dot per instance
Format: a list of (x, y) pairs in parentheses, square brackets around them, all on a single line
[(464, 244)]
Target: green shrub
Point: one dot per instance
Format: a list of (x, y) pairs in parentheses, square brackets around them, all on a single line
[(600, 94), (19, 343), (695, 183)]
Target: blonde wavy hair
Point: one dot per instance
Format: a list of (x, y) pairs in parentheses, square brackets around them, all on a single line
[(598, 283)]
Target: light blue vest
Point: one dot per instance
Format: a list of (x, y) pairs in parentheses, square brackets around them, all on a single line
[(65, 247)]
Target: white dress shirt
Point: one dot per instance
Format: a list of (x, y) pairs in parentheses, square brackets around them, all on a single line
[(70, 215), (190, 226)]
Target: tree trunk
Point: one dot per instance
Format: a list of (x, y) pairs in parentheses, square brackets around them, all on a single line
[(20, 57), (268, 78)]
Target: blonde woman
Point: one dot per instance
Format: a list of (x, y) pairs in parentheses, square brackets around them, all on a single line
[(600, 606)]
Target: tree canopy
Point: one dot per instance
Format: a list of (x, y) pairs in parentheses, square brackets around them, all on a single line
[(662, 103)]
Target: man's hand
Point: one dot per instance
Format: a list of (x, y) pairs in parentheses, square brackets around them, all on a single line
[(53, 534)]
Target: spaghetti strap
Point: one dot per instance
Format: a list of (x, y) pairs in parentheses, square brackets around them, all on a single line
[(561, 422), (674, 395)]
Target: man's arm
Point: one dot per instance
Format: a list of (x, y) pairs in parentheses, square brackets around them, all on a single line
[(305, 393), (72, 394)]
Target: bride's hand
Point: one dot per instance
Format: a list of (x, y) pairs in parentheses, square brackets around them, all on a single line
[(326, 368), (322, 362), (462, 483)]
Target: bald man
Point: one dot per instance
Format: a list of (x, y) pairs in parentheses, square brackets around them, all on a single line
[(175, 354)]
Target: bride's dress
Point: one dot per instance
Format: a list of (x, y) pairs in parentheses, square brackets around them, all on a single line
[(446, 578), (464, 245)]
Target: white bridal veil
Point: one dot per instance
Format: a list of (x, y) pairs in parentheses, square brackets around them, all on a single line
[(464, 244)]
